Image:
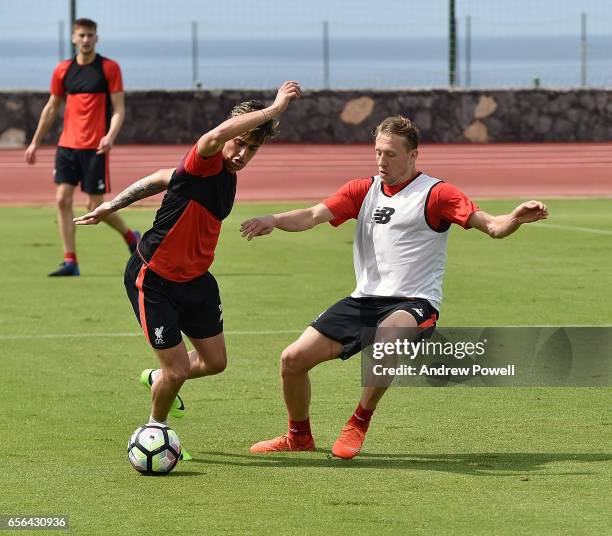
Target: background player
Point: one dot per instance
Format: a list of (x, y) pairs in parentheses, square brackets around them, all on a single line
[(168, 279), (93, 90), (403, 217)]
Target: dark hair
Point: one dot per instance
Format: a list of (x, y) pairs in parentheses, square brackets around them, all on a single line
[(401, 126), (263, 132), (85, 23)]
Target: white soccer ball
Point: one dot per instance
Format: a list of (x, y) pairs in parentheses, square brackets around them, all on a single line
[(154, 449)]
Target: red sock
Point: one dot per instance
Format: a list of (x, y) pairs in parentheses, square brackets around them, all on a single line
[(299, 430), (361, 418), (70, 257), (130, 237)]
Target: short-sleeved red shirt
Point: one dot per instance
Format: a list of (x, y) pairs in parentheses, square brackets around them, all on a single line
[(87, 89), (446, 204)]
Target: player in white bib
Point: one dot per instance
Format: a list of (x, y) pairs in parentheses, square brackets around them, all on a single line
[(403, 217)]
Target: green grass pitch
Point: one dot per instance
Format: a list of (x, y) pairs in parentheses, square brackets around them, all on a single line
[(436, 461)]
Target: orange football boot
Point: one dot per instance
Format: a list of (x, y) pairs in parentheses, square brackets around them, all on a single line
[(283, 443), (348, 444)]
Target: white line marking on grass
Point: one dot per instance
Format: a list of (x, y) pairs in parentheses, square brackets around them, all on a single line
[(66, 336), (573, 228), (266, 332), (131, 334)]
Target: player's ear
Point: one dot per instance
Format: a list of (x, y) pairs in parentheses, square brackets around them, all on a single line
[(414, 155)]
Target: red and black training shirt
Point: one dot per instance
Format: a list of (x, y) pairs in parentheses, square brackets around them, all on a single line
[(181, 244), (87, 89)]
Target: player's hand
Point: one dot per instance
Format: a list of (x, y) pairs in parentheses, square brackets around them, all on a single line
[(257, 227), (530, 211), (289, 91), (30, 154), (105, 145), (95, 216)]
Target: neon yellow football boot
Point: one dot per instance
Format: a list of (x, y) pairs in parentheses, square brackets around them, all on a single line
[(177, 409)]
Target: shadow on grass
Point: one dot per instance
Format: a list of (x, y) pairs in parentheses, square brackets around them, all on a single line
[(475, 464), (106, 275), (171, 474), (252, 274), (96, 275)]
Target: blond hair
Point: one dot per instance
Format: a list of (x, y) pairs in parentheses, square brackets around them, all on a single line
[(400, 126)]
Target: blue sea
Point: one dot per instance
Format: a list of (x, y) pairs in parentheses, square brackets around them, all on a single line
[(368, 63)]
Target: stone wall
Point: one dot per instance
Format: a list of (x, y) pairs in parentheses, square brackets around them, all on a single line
[(347, 116)]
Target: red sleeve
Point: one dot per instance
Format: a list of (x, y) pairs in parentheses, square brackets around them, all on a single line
[(112, 71), (200, 166), (57, 79), (447, 204), (346, 202)]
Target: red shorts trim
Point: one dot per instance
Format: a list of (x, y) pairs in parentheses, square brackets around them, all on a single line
[(141, 304)]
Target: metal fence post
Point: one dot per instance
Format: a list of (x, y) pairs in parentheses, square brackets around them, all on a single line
[(468, 51), (325, 54), (452, 43), (583, 49), (194, 55), (73, 9)]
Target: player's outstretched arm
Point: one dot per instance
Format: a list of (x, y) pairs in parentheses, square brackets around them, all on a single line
[(47, 118), (212, 142), (146, 187), (294, 221), (506, 224)]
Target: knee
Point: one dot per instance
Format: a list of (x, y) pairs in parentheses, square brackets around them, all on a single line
[(176, 377), (64, 202), (292, 361), (218, 365), (208, 365)]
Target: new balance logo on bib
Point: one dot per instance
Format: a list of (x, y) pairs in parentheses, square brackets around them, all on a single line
[(383, 214)]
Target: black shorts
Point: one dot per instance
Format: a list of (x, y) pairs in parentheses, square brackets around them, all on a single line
[(353, 321), (165, 308), (74, 166)]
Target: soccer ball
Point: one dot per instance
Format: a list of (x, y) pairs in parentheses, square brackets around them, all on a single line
[(154, 448)]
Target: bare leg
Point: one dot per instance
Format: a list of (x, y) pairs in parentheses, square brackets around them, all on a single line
[(399, 324), (174, 371), (297, 359), (64, 196), (114, 220), (209, 356)]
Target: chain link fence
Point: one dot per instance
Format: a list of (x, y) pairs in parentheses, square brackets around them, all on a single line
[(343, 44)]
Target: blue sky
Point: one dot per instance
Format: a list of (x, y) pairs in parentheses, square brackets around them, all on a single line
[(165, 19)]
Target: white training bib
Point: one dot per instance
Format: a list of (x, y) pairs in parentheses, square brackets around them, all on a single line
[(396, 253)]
